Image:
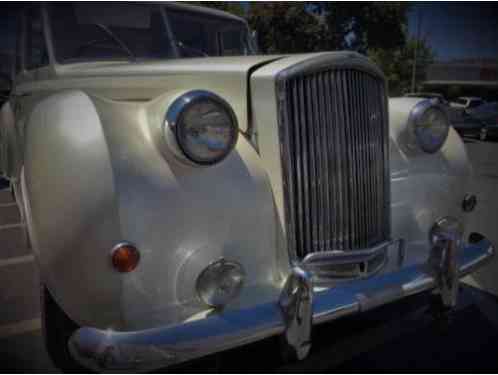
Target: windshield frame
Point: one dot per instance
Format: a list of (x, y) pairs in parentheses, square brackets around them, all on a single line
[(172, 38)]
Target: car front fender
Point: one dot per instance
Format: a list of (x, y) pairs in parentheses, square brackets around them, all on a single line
[(96, 176)]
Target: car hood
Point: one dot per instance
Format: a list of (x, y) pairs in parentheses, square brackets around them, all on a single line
[(148, 82), (240, 64)]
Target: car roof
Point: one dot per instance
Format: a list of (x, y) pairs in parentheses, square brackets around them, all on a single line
[(179, 6), (201, 9)]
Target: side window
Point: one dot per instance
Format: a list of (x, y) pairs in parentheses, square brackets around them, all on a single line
[(36, 50), (195, 35), (233, 42)]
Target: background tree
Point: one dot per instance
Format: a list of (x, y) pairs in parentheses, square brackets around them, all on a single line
[(397, 64), (290, 27), (285, 27), (377, 29), (363, 25)]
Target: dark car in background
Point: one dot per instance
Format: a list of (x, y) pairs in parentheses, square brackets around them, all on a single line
[(480, 122), (487, 116), (470, 127)]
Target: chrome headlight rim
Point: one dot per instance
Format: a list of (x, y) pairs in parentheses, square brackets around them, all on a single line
[(180, 106), (414, 120)]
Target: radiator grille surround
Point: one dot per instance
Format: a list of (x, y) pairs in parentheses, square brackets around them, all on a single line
[(334, 143)]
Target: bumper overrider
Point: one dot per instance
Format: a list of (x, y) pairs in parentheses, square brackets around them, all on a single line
[(299, 308)]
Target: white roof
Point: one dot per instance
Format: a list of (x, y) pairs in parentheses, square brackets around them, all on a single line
[(201, 9)]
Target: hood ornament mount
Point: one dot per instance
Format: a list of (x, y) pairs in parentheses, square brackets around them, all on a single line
[(338, 265)]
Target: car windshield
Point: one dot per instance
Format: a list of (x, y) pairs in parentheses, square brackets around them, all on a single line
[(106, 31), (461, 101)]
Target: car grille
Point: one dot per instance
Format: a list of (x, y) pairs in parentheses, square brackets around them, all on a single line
[(334, 145)]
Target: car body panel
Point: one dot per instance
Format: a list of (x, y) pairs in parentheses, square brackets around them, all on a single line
[(144, 81), (171, 210)]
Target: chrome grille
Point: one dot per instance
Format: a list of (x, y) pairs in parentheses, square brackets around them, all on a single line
[(334, 146)]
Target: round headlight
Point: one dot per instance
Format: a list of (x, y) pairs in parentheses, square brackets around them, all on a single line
[(430, 126), (204, 125), (220, 282)]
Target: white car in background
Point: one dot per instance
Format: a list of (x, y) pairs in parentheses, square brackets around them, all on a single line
[(467, 102)]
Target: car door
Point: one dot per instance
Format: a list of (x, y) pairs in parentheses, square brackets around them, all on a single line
[(31, 55)]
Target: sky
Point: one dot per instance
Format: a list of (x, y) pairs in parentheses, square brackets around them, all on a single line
[(458, 30)]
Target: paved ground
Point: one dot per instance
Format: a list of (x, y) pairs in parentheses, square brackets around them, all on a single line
[(485, 161), (403, 336), (21, 344)]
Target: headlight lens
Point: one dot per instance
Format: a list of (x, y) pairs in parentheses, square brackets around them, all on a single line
[(204, 125), (430, 126)]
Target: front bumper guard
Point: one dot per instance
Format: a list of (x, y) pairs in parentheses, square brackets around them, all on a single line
[(299, 308)]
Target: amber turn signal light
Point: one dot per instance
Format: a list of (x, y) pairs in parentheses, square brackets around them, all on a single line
[(125, 257)]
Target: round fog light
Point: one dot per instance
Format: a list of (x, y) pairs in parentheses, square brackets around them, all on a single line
[(469, 203), (220, 282)]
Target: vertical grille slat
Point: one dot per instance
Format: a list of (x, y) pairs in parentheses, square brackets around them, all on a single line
[(335, 159)]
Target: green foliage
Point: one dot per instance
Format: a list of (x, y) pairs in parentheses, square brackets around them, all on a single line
[(397, 64), (377, 29), (317, 26), (287, 27), (290, 27), (363, 25)]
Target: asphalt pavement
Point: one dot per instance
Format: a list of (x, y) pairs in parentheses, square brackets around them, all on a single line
[(405, 336)]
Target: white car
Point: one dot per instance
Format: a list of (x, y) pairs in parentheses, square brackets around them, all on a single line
[(467, 102), (181, 201)]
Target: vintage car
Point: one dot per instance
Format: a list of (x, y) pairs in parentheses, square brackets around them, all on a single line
[(184, 195)]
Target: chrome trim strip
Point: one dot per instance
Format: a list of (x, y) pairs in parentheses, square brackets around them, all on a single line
[(364, 263), (342, 257), (106, 350)]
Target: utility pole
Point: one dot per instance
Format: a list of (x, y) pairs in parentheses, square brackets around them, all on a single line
[(415, 53)]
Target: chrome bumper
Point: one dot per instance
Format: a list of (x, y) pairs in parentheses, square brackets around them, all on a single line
[(293, 316)]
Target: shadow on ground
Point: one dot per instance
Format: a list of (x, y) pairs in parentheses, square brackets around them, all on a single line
[(406, 336)]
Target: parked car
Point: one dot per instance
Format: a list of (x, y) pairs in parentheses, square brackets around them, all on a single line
[(467, 102), (469, 127), (178, 207), (487, 116), (457, 112)]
